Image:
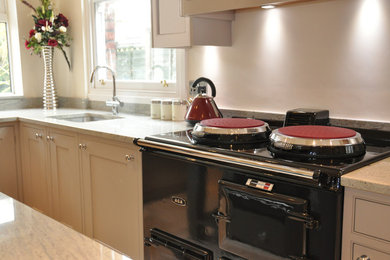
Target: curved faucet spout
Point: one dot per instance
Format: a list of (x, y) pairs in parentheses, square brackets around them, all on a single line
[(113, 77), (115, 103)]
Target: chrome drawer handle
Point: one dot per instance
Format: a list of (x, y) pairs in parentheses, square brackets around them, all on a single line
[(83, 146), (363, 257), (38, 135), (129, 157)]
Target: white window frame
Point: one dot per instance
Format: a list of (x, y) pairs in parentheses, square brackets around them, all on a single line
[(11, 19), (134, 91)]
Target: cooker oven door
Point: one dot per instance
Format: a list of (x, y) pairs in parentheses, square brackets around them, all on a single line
[(257, 224)]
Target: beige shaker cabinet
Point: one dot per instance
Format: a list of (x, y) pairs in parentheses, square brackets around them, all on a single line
[(10, 178), (90, 184), (64, 168), (366, 228), (112, 194), (36, 178), (171, 30), (51, 173)]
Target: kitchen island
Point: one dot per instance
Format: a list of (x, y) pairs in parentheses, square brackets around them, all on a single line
[(28, 234), (366, 230)]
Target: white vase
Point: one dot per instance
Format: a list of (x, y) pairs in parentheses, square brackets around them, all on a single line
[(49, 92)]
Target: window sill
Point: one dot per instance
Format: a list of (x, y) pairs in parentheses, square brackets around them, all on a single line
[(11, 96), (133, 96)]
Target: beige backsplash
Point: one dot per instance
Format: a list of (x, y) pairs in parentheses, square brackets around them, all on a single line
[(323, 54)]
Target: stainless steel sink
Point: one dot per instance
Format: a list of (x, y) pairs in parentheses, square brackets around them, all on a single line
[(85, 117)]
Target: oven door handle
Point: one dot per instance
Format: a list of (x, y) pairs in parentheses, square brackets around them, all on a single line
[(220, 216), (310, 222)]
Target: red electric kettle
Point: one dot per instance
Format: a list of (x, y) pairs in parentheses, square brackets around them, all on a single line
[(202, 106)]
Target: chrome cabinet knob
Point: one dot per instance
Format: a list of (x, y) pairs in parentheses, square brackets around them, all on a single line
[(49, 138), (129, 157), (83, 146), (363, 257), (38, 135)]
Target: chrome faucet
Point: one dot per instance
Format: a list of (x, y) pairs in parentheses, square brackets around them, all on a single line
[(115, 103)]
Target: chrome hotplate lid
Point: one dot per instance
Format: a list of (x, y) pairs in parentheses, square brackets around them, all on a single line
[(281, 140), (229, 126), (312, 142)]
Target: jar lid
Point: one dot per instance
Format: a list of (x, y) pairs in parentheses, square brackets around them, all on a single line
[(156, 101), (166, 102), (178, 102)]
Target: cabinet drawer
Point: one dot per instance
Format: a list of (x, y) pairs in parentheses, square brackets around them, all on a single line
[(372, 254), (371, 218)]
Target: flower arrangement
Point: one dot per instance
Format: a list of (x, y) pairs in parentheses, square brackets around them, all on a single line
[(49, 29)]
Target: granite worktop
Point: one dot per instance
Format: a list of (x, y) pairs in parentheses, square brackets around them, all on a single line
[(28, 234), (374, 178), (125, 128)]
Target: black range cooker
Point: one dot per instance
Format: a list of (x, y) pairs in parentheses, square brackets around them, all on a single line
[(277, 199)]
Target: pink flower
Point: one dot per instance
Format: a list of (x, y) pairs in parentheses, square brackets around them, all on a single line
[(32, 33), (52, 42), (26, 43)]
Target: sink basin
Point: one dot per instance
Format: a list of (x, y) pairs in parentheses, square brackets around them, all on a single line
[(85, 117)]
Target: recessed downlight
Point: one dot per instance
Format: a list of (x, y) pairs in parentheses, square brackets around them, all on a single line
[(267, 6)]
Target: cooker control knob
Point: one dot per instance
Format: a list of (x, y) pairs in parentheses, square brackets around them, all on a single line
[(363, 257)]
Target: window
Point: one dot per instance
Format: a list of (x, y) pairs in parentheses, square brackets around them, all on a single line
[(5, 74), (9, 50), (122, 41)]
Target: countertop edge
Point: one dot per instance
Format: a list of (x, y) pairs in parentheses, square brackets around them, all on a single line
[(379, 188), (79, 130), (123, 129)]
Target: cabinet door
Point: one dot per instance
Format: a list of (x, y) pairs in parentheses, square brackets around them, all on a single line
[(36, 181), (112, 201), (8, 162), (66, 179), (168, 28)]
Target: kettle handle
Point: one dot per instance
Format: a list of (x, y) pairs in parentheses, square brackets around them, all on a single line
[(211, 84)]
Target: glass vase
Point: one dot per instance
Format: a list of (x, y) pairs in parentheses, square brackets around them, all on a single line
[(49, 92)]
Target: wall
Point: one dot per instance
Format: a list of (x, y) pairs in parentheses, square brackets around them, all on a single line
[(32, 65), (323, 54), (68, 83)]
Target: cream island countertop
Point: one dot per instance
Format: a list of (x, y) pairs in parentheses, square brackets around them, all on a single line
[(374, 177), (28, 234), (124, 129)]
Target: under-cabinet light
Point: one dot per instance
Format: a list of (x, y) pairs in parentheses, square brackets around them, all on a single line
[(267, 6)]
